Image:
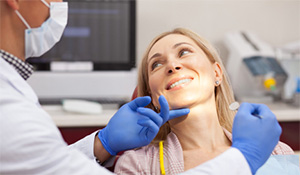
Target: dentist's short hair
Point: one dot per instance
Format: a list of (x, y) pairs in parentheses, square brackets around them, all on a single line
[(223, 93)]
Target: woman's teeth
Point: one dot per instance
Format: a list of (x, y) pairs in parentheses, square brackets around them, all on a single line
[(180, 82)]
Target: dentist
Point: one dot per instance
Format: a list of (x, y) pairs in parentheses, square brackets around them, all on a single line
[(30, 143)]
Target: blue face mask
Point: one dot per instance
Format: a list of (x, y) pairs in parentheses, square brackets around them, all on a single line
[(41, 39)]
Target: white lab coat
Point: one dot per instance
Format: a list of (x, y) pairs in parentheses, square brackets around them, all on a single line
[(30, 143)]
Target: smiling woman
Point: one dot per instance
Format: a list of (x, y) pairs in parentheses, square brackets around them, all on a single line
[(182, 53), (188, 71)]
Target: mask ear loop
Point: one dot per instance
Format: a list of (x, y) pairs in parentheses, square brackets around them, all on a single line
[(22, 19), (43, 1)]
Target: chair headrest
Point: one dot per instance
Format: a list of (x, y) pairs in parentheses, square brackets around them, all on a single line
[(134, 94)]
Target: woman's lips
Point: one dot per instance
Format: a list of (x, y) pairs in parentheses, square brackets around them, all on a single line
[(176, 82)]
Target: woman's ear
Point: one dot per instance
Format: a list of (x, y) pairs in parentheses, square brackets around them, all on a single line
[(218, 73), (14, 4)]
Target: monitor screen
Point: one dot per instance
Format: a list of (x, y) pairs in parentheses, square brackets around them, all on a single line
[(99, 32), (259, 65)]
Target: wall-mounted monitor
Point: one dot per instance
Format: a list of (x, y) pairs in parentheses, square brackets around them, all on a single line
[(101, 32), (95, 58)]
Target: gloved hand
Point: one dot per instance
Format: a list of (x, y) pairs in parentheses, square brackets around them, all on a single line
[(135, 126), (255, 137)]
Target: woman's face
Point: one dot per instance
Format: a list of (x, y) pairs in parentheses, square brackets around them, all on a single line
[(180, 70)]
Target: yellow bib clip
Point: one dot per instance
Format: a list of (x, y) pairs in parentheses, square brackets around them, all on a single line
[(161, 157)]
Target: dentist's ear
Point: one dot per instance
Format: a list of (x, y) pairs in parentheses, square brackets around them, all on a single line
[(218, 73), (14, 4)]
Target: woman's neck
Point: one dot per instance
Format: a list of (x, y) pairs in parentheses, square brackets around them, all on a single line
[(200, 129)]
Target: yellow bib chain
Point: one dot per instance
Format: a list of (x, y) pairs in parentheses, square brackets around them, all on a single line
[(161, 157)]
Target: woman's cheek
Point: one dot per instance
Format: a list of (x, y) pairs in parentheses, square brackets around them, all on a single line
[(155, 84), (155, 81)]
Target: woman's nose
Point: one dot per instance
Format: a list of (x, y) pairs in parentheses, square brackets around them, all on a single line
[(173, 67)]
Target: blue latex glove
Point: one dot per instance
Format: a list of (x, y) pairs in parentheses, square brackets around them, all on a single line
[(135, 126), (255, 137)]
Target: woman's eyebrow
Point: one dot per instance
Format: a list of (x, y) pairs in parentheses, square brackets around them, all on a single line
[(153, 56), (178, 44)]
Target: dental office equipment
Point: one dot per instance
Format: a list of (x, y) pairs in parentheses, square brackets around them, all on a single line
[(82, 106), (289, 57), (234, 106), (255, 73), (296, 96)]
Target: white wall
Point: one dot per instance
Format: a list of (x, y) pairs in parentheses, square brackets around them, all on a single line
[(274, 21)]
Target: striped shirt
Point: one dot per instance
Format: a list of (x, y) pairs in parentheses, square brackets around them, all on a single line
[(146, 159)]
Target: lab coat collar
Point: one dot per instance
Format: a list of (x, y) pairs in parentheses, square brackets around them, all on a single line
[(9, 74)]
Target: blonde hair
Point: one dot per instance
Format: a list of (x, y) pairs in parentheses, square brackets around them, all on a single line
[(223, 92)]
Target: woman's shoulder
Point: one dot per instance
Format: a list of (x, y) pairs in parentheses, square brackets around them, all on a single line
[(139, 154), (145, 160), (136, 161), (282, 148)]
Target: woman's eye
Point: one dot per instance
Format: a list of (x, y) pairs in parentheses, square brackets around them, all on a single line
[(155, 65), (183, 52)]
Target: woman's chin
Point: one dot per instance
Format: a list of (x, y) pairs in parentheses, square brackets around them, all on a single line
[(178, 106), (182, 102)]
